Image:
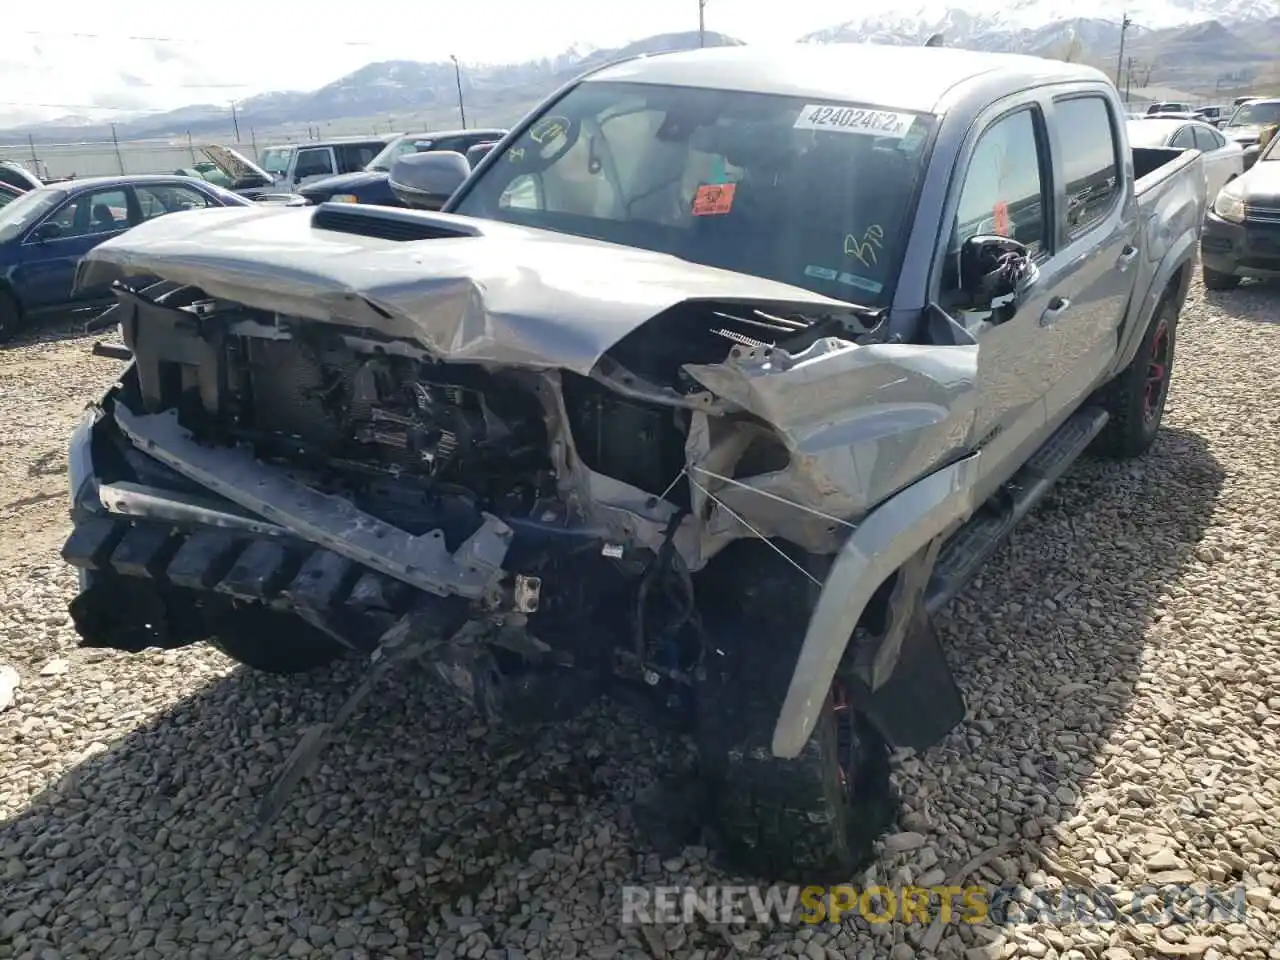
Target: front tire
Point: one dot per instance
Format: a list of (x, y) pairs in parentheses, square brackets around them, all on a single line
[(1137, 397), (269, 640), (10, 315), (1213, 280), (808, 819)]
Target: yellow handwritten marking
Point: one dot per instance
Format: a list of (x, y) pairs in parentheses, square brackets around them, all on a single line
[(865, 249), (517, 153), (549, 129)]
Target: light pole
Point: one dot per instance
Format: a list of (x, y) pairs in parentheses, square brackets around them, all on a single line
[(1125, 24), (457, 75), (702, 23)]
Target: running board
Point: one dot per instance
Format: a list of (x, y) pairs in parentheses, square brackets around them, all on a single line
[(964, 554)]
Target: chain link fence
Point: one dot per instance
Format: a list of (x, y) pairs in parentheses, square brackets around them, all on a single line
[(51, 161)]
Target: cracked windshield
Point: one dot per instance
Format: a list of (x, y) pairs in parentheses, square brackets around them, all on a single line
[(812, 194)]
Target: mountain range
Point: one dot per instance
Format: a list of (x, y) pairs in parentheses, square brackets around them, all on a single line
[(1209, 48)]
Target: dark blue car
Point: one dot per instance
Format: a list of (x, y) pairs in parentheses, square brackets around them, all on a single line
[(45, 231), (371, 185)]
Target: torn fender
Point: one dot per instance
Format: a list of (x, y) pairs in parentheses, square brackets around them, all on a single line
[(860, 423), (884, 540), (464, 289)]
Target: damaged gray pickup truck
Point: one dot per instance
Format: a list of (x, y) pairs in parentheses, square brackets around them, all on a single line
[(715, 380)]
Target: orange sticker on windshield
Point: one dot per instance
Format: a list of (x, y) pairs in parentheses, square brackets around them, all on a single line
[(713, 199), (1001, 217)]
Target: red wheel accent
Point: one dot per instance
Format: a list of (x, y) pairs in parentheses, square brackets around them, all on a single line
[(1156, 385)]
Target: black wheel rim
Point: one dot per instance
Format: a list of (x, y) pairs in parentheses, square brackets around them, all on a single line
[(1156, 385)]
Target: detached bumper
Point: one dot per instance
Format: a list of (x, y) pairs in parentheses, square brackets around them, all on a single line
[(1240, 250), (148, 582), (154, 554), (167, 530)]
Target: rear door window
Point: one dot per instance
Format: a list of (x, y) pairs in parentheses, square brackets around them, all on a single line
[(156, 201), (313, 162), (1184, 139), (1090, 160), (356, 156), (1207, 140)]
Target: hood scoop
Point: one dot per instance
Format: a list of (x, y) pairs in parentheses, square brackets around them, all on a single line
[(388, 223)]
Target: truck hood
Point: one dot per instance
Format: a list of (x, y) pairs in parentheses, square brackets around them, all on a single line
[(235, 164), (1262, 183), (465, 289), (1245, 134), (342, 182)]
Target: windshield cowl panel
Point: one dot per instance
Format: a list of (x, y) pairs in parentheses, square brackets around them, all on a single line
[(816, 195)]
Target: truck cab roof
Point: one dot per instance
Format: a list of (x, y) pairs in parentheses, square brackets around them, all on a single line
[(924, 79)]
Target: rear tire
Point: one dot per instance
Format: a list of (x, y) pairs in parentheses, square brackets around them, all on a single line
[(269, 640), (1136, 398), (1213, 280), (809, 819), (10, 315)]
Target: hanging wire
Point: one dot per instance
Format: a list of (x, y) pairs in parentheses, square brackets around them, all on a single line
[(770, 496), (772, 546)]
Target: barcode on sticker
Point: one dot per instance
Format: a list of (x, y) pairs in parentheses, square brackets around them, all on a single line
[(872, 123)]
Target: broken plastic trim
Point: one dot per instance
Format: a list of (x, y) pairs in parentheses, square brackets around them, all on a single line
[(333, 522)]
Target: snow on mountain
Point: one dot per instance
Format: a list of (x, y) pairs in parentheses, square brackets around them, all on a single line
[(164, 78), (915, 24)]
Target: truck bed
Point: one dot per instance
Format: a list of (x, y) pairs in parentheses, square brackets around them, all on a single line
[(1154, 165), (1169, 187)]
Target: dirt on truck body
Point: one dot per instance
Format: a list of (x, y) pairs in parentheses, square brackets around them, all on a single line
[(710, 381)]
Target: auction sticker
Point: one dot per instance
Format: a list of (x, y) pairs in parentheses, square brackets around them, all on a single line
[(713, 199), (869, 123)]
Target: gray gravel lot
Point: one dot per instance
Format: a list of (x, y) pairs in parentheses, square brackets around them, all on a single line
[(1121, 658)]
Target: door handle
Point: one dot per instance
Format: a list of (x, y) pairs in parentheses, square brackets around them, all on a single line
[(1057, 307), (1126, 258)]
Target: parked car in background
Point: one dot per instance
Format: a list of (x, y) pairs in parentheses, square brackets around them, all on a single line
[(9, 193), (44, 232), (297, 164), (1239, 100), (1250, 119), (479, 151), (1211, 114), (232, 170), (1223, 158), (17, 177), (1168, 106), (1241, 235), (370, 184)]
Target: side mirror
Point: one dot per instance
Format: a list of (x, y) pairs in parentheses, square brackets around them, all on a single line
[(478, 152), (46, 232), (425, 181), (995, 273)]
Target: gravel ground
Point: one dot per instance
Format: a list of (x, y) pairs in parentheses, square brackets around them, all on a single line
[(1121, 658)]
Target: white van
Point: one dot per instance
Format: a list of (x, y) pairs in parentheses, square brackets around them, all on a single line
[(295, 164)]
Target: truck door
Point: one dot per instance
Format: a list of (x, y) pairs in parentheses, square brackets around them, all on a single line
[(1097, 232), (311, 163), (1005, 189)]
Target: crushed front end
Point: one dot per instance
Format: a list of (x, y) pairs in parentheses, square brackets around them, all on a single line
[(325, 430), (246, 462)]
